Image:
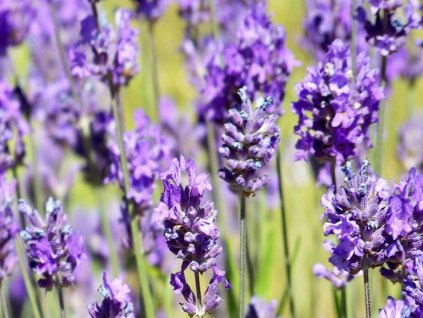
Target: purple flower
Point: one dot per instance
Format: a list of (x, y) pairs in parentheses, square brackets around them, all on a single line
[(336, 108), (388, 31), (338, 278), (15, 20), (145, 148), (406, 63), (257, 58), (260, 308), (394, 309), (250, 139), (151, 10), (12, 128), (190, 232), (410, 135), (54, 249), (412, 291), (8, 229), (356, 215), (115, 303)]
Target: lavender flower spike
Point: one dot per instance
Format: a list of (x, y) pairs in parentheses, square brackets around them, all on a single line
[(54, 249), (394, 309), (8, 229), (250, 139), (116, 302), (190, 233)]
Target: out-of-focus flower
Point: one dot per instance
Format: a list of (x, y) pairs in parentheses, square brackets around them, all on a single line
[(256, 58), (54, 249), (335, 108), (412, 290), (105, 52), (190, 232), (394, 309), (8, 228), (151, 10), (406, 63), (357, 216), (410, 135), (390, 27), (250, 139), (259, 308), (12, 128), (115, 303), (145, 149), (15, 20)]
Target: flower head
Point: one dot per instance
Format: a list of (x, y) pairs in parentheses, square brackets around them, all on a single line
[(394, 309), (336, 108), (249, 141), (115, 303), (54, 249), (151, 10), (259, 308)]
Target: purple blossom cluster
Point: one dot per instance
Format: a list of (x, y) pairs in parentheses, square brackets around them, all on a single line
[(390, 23), (249, 141), (335, 108), (116, 300), (260, 308), (151, 10), (190, 233), (257, 58), (54, 249), (8, 229)]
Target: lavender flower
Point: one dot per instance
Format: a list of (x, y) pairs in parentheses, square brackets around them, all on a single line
[(357, 215), (410, 135), (105, 52), (388, 32), (8, 229), (260, 308), (15, 20), (394, 309), (406, 63), (151, 10), (53, 247), (257, 59), (145, 149), (413, 286), (116, 302), (249, 141), (335, 109), (190, 232)]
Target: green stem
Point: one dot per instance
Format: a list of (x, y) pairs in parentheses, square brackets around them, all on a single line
[(250, 266), (27, 281), (4, 303), (367, 293), (141, 268), (61, 299), (154, 70), (381, 123), (114, 262), (285, 234), (243, 255), (344, 303), (198, 291)]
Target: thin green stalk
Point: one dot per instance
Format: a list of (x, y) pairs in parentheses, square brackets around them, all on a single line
[(367, 293), (250, 266), (285, 234), (114, 262), (61, 299), (27, 281), (4, 303), (243, 255), (154, 69), (201, 313)]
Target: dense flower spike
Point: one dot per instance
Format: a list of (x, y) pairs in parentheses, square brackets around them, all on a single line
[(12, 128), (391, 24), (356, 215), (107, 52), (394, 309), (8, 229), (410, 135), (115, 303), (190, 232), (257, 59), (335, 109), (260, 308), (413, 285), (15, 20), (151, 10), (145, 149), (250, 139), (53, 247)]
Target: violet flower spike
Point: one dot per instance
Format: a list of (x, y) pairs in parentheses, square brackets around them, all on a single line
[(249, 141), (54, 249)]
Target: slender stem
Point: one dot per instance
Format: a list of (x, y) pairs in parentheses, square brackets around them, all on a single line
[(114, 262), (154, 70), (27, 281), (61, 299), (381, 123), (285, 234), (198, 289), (4, 303), (141, 268), (344, 303), (243, 255), (333, 174), (367, 293), (250, 266)]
